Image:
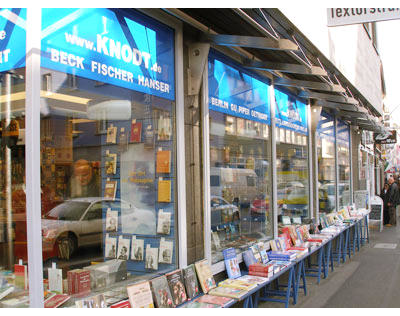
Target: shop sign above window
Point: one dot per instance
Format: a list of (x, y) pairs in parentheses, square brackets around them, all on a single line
[(290, 113), (128, 50), (12, 38), (235, 92)]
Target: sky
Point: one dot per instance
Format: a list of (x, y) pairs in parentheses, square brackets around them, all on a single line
[(389, 51)]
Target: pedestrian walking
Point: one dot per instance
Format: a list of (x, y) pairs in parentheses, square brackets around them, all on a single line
[(384, 195), (393, 200)]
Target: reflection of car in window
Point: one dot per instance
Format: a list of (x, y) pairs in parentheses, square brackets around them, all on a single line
[(79, 222)]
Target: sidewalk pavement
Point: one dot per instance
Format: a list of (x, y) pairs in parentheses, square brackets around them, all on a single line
[(371, 278)]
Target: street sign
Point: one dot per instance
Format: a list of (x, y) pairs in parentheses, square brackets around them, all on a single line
[(346, 16)]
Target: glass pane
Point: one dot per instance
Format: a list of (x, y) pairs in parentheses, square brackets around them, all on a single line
[(107, 153), (13, 233), (343, 147), (240, 155), (326, 163), (292, 158)]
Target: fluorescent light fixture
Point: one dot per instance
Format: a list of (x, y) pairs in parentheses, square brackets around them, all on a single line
[(44, 94)]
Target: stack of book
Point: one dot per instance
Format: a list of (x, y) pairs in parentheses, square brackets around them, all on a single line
[(261, 270), (282, 255)]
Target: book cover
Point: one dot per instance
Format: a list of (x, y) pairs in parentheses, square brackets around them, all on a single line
[(205, 275), (137, 249), (253, 279), (163, 161), (191, 284), (161, 292), (110, 189), (4, 291), (111, 163), (56, 300), (123, 248), (136, 132), (82, 281), (149, 137), (97, 301), (111, 220), (231, 263), (111, 134), (164, 223), (110, 247), (256, 252), (123, 141), (21, 276), (195, 304), (140, 295), (71, 282), (238, 284), (164, 128), (55, 280), (165, 251), (151, 258), (164, 191), (264, 256), (217, 300), (121, 304), (282, 242), (228, 292), (177, 287), (248, 258)]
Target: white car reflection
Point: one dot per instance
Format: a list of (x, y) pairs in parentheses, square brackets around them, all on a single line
[(80, 222)]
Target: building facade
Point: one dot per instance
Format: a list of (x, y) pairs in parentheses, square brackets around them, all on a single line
[(146, 140)]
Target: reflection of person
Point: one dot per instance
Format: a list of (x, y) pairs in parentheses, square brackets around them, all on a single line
[(83, 182)]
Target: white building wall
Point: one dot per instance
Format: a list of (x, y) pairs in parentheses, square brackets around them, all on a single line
[(349, 48)]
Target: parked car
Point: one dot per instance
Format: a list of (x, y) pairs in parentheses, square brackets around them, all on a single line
[(79, 222)]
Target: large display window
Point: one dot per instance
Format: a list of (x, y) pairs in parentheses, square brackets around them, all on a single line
[(13, 237), (108, 166), (326, 146), (240, 155), (292, 157)]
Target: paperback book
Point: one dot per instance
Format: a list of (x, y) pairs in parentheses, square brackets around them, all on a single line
[(164, 191), (191, 284), (253, 279), (137, 249), (111, 134), (56, 300), (249, 258), (195, 304), (166, 251), (110, 247), (161, 292), (136, 132), (110, 189), (231, 263), (55, 280), (123, 248), (256, 252), (140, 295), (21, 276), (176, 286), (228, 292), (111, 163), (163, 161), (151, 262), (164, 222), (238, 284), (217, 300), (111, 220), (205, 275), (97, 301)]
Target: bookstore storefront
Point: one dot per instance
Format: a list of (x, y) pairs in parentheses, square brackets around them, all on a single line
[(246, 142), (107, 145)]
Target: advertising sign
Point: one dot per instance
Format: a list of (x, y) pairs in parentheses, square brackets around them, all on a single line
[(386, 139), (12, 38), (235, 92), (345, 16), (126, 50), (290, 113)]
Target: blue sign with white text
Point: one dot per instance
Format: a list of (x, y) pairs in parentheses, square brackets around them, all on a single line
[(290, 113), (128, 50), (12, 38), (234, 92)]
